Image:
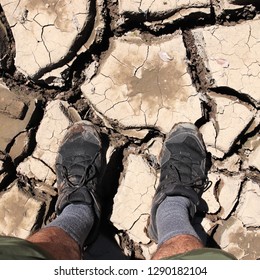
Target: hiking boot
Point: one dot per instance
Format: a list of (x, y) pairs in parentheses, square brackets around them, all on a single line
[(183, 170), (79, 168)]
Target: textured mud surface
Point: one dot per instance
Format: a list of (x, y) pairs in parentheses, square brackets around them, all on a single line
[(133, 68)]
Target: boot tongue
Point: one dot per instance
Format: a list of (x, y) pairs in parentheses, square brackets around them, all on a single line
[(75, 180)]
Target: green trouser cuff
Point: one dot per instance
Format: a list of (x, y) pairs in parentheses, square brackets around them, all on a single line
[(13, 248), (203, 254)]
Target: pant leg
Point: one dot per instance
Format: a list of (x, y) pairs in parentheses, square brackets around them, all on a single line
[(203, 254), (13, 248)]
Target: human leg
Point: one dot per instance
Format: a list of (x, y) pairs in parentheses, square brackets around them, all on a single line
[(177, 245), (182, 181), (64, 237), (79, 167), (56, 243), (175, 233)]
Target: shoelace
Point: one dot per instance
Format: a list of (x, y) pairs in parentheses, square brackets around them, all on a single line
[(201, 183), (89, 173)]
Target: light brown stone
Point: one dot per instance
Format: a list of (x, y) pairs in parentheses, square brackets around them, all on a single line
[(20, 146), (18, 212), (14, 119), (12, 107)]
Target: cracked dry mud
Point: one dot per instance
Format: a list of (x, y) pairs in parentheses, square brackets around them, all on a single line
[(133, 68)]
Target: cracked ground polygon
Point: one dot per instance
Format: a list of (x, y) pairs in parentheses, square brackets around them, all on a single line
[(142, 85), (231, 53), (230, 118), (132, 202), (47, 32)]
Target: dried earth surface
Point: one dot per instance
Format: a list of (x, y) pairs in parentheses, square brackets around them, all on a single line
[(133, 68)]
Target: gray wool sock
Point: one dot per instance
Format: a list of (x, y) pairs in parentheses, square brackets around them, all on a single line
[(76, 220), (172, 218)]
